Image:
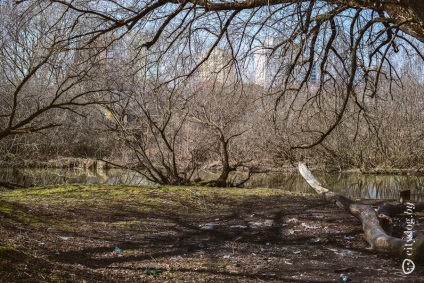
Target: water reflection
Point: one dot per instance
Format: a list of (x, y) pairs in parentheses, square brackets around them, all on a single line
[(45, 177), (350, 185)]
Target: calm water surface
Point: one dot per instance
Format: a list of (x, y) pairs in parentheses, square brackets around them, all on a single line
[(350, 185)]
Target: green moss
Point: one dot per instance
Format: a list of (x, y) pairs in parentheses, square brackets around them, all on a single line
[(53, 278), (9, 252), (16, 212), (153, 196), (54, 206)]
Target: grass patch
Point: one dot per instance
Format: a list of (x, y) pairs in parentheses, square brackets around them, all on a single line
[(18, 213), (108, 197), (60, 207)]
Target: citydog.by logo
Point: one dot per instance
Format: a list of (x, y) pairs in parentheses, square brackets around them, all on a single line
[(408, 266)]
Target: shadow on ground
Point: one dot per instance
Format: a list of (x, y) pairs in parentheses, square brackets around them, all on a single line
[(127, 234)]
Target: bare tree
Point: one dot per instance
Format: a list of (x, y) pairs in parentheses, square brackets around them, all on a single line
[(149, 120), (328, 59), (150, 124), (331, 45), (42, 72), (331, 54), (223, 115)]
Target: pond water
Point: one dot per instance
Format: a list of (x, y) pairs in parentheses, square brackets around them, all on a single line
[(350, 185)]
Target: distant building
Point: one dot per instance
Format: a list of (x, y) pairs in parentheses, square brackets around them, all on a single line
[(315, 74), (266, 66), (270, 68), (219, 68)]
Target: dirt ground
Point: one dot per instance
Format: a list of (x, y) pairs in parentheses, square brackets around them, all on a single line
[(183, 234)]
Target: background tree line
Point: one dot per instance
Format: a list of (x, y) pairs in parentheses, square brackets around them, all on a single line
[(167, 88)]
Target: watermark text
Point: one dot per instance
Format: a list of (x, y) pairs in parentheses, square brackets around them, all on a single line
[(408, 266)]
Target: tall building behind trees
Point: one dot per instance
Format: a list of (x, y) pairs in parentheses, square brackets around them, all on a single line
[(219, 68), (265, 68)]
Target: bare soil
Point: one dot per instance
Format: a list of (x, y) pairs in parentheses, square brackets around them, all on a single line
[(183, 234)]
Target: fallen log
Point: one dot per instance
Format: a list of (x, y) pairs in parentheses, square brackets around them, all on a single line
[(389, 210), (375, 235)]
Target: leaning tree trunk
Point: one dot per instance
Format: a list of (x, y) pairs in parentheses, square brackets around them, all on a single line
[(374, 232), (225, 161)]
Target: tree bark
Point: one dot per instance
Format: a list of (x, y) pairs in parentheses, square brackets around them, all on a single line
[(225, 161), (374, 233)]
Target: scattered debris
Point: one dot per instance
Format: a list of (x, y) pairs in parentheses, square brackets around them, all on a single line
[(209, 226), (153, 272), (341, 252), (344, 278), (65, 238), (254, 224), (309, 226), (269, 222), (202, 245), (288, 262), (289, 232), (349, 237), (238, 227)]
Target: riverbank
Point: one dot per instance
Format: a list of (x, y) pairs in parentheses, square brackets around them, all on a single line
[(287, 167), (79, 233), (353, 185)]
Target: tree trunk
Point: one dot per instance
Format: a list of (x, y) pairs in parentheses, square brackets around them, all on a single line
[(225, 162), (374, 233)]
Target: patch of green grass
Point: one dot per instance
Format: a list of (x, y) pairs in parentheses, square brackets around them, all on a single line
[(17, 213), (56, 206), (53, 278), (146, 194)]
